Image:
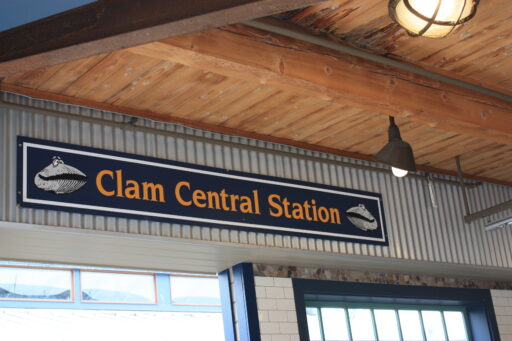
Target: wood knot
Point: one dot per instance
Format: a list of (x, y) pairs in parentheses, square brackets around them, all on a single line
[(327, 70), (281, 66)]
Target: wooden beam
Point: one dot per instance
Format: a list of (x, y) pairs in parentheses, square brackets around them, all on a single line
[(216, 128), (107, 25), (245, 53)]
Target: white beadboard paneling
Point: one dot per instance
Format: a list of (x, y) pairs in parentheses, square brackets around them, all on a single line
[(416, 231)]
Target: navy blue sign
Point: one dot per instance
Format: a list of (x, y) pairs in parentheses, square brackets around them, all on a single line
[(79, 179)]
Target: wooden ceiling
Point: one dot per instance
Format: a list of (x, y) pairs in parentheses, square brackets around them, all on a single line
[(480, 51), (240, 91)]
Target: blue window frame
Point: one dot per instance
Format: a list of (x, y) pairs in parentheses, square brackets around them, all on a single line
[(471, 306), (101, 289)]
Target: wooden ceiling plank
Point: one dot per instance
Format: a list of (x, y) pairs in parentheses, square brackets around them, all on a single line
[(176, 77), (144, 82), (506, 83), (498, 168), (34, 79), (284, 116), (466, 158), (254, 98), (276, 106), (448, 153), (204, 82), (206, 98), (342, 133), (253, 55), (483, 157), (498, 70), (108, 25), (445, 151), (274, 99), (96, 75), (69, 73), (502, 172), (213, 112), (313, 123), (480, 52), (330, 14), (228, 93), (493, 168), (349, 134), (422, 146), (219, 112), (120, 78)]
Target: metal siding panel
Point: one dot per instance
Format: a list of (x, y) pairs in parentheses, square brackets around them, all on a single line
[(416, 230)]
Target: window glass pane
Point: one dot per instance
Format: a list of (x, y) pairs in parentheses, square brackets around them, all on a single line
[(313, 324), (455, 326), (189, 290), (334, 321), (35, 284), (361, 324), (387, 326), (117, 287), (433, 323), (411, 325)]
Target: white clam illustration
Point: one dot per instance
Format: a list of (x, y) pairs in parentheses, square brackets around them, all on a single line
[(60, 178), (362, 218)]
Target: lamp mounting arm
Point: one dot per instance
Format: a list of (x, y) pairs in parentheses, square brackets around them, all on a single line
[(393, 131)]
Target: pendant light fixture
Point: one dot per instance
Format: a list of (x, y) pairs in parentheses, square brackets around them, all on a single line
[(431, 18), (397, 153)]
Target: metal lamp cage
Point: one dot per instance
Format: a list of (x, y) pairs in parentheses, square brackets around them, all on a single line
[(431, 21)]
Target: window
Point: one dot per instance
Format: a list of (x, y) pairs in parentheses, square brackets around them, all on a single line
[(344, 311), (378, 322), (194, 290), (116, 287), (57, 303), (91, 288), (36, 284)]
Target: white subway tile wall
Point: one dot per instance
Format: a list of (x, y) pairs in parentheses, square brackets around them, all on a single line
[(276, 309), (502, 300)]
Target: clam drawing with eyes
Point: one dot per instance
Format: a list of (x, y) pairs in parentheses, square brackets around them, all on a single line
[(361, 218), (60, 178)]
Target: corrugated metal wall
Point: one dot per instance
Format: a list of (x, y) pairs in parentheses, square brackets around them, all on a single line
[(417, 231)]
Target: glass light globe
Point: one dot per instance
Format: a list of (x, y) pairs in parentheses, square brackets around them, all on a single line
[(428, 18), (399, 173)]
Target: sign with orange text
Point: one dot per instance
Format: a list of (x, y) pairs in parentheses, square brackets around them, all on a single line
[(80, 179)]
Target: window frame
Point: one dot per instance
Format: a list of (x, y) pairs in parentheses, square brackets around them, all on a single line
[(152, 274), (162, 287), (72, 296), (480, 319), (387, 306), (171, 275)]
